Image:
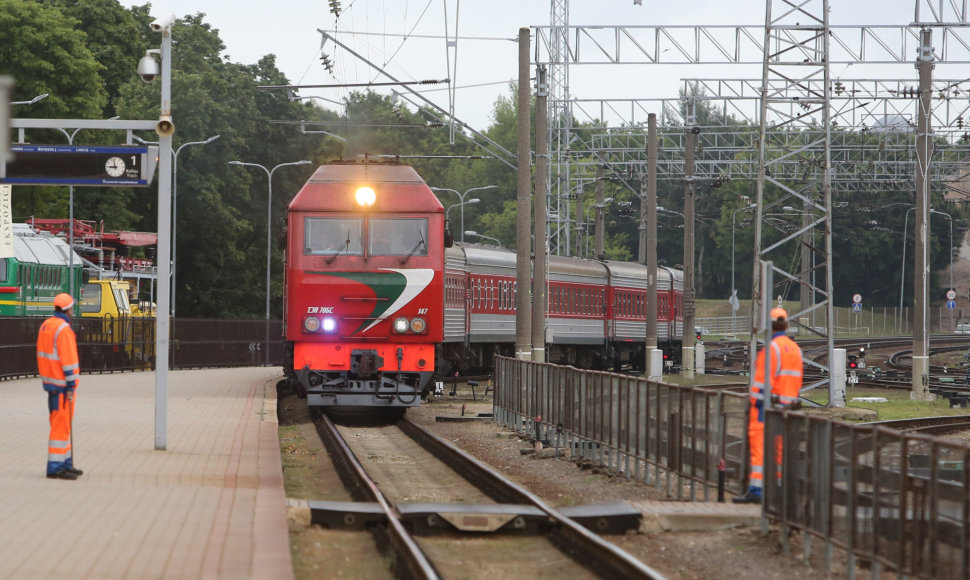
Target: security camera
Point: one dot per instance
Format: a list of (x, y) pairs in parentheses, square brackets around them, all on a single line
[(160, 24), (147, 68)]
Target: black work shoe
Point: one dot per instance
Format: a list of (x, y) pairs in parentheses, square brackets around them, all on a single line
[(750, 497), (74, 470), (62, 474)]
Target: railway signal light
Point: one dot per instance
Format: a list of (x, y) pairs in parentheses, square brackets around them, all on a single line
[(853, 362)]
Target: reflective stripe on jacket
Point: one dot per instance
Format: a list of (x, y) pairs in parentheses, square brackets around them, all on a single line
[(786, 371), (57, 362)]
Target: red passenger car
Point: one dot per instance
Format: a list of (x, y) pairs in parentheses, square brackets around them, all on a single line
[(364, 295)]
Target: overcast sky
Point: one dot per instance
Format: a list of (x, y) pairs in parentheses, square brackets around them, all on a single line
[(486, 57)]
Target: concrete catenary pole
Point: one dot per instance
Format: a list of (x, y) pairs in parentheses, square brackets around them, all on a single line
[(921, 347), (687, 358), (541, 244), (523, 302), (650, 241)]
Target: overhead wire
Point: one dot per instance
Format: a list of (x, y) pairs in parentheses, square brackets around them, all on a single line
[(403, 41)]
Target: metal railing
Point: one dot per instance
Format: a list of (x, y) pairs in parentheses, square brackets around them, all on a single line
[(666, 435), (128, 343), (895, 500)]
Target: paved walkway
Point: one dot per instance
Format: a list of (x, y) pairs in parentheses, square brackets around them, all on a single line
[(211, 506)]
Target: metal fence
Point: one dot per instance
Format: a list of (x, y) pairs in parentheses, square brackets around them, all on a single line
[(888, 498), (670, 436), (873, 321), (128, 343)]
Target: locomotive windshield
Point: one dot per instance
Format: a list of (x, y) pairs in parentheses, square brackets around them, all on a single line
[(331, 236), (398, 237)]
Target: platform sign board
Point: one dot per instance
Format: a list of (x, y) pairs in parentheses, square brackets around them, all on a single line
[(81, 165), (6, 223)]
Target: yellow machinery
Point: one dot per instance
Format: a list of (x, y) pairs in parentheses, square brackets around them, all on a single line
[(126, 332)]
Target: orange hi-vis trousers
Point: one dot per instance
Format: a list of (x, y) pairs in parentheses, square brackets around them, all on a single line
[(59, 444), (756, 440)]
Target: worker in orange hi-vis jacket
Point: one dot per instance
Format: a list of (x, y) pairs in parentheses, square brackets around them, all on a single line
[(57, 365), (786, 382)]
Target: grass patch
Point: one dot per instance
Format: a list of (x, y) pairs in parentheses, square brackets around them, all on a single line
[(898, 404), (299, 463)]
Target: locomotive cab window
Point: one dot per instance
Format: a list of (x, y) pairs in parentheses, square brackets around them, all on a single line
[(330, 236), (397, 237), (91, 298)]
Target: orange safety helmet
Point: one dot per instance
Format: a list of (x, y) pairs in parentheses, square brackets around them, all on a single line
[(778, 314), (63, 301)]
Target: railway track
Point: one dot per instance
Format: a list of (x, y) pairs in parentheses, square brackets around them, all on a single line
[(428, 503)]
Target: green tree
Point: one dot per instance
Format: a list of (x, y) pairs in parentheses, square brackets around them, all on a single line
[(112, 35), (221, 211)]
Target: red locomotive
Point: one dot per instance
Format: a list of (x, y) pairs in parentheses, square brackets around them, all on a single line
[(364, 296)]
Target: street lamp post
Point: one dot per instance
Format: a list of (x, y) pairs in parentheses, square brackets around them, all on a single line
[(32, 101), (462, 206), (175, 207), (902, 271), (70, 217), (175, 184), (461, 197), (269, 228), (734, 291), (475, 234)]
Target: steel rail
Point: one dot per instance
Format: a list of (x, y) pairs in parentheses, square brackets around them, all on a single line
[(587, 548), (415, 564)]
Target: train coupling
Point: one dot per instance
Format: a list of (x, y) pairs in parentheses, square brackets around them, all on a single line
[(365, 364)]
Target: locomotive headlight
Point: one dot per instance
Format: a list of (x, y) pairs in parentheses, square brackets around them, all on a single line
[(329, 325), (365, 196), (311, 324), (418, 325), (401, 325)]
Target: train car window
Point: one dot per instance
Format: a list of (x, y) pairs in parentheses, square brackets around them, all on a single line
[(513, 289), (91, 298), (397, 237), (328, 236), (3, 270)]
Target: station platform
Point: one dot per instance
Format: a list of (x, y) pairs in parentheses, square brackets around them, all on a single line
[(211, 505)]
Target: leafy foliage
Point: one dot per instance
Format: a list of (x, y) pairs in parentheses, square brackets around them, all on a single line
[(84, 54)]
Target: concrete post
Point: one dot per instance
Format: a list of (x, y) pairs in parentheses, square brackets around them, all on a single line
[(523, 302), (541, 244)]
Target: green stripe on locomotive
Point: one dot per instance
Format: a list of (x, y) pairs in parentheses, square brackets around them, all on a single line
[(39, 271)]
